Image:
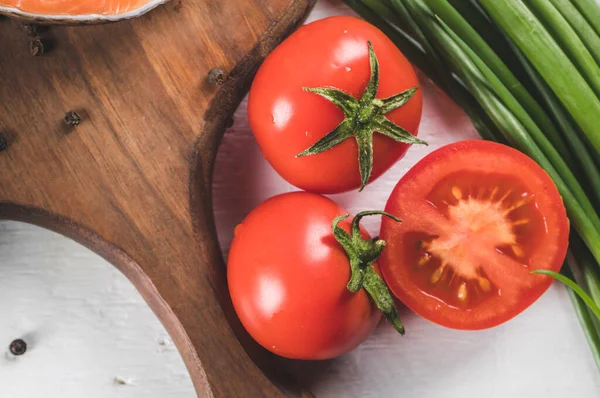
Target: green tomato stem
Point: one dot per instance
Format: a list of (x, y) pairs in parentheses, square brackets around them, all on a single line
[(362, 254), (363, 117)]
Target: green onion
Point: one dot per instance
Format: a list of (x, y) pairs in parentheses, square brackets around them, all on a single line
[(585, 319), (521, 25), (444, 10), (407, 45), (587, 267), (588, 326), (591, 11), (584, 30), (586, 167), (584, 272), (404, 12), (569, 41), (472, 12)]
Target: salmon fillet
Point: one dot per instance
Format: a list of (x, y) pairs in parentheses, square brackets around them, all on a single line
[(74, 7)]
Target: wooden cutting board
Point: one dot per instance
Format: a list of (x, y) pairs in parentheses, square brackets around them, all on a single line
[(133, 180)]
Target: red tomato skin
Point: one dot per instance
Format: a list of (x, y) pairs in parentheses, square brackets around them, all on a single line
[(287, 278), (286, 120), (428, 306)]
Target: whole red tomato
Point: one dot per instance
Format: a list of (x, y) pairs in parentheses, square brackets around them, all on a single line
[(287, 118), (288, 278)]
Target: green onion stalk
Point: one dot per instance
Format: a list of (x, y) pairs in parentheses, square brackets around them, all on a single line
[(527, 72)]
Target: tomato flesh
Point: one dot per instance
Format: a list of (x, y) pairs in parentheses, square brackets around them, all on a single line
[(478, 217)]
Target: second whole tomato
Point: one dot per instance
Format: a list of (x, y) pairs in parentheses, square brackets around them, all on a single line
[(345, 59), (290, 275)]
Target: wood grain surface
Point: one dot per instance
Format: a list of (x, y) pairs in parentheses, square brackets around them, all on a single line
[(132, 181)]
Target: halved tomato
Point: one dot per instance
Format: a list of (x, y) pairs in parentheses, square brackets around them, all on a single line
[(477, 218)]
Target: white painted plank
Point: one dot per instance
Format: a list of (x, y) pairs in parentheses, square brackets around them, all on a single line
[(84, 322)]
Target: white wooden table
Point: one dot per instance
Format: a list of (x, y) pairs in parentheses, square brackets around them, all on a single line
[(91, 335)]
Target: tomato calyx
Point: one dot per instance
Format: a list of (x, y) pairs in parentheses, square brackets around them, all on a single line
[(362, 254), (362, 118)]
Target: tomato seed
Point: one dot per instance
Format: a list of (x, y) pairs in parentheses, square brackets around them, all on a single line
[(456, 192), (518, 250), (423, 260), (437, 275), (462, 291), (484, 284)]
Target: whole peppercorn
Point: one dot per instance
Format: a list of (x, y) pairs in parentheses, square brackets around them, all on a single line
[(18, 347), (216, 76), (72, 118)]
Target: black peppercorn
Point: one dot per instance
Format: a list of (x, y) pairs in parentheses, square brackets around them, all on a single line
[(216, 76), (33, 30), (36, 47), (18, 347), (72, 118)]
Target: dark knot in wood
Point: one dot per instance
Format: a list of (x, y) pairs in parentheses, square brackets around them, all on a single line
[(3, 142)]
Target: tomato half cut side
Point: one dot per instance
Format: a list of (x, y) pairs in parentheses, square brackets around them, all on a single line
[(477, 218)]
